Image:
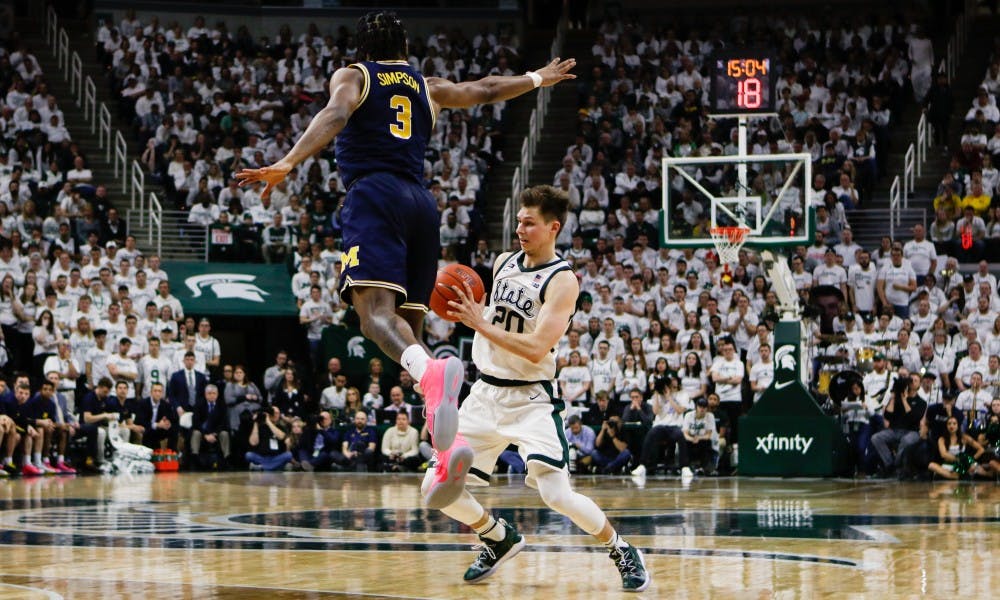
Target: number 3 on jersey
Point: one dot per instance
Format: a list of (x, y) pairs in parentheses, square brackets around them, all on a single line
[(400, 129)]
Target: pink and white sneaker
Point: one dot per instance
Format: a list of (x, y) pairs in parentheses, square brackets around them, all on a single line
[(441, 384), (447, 481), (64, 468)]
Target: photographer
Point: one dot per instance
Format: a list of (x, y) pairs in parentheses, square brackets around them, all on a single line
[(319, 446), (611, 453), (358, 446), (903, 416), (267, 442)]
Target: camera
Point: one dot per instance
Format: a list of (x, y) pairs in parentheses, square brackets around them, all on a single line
[(900, 385), (660, 384)]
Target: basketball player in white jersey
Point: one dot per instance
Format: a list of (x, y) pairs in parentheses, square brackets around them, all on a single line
[(518, 326)]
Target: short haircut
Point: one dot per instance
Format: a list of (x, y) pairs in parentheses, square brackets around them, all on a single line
[(552, 203)]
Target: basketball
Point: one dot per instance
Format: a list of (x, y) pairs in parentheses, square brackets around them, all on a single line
[(456, 275)]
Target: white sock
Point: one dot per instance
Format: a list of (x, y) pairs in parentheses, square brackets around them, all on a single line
[(27, 459), (492, 530), (616, 541), (62, 458), (9, 460), (37, 456), (414, 360)]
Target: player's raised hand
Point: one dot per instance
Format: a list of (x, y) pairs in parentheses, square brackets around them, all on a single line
[(556, 71), (271, 176)]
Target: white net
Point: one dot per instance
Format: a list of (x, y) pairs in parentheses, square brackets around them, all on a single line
[(728, 241)]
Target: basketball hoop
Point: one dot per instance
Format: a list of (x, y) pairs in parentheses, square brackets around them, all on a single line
[(728, 241)]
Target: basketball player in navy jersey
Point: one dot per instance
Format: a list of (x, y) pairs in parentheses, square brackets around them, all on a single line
[(381, 112), (518, 326)]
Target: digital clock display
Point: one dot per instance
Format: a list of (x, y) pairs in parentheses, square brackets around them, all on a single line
[(741, 83)]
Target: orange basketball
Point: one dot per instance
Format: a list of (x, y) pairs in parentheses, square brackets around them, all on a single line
[(456, 275)]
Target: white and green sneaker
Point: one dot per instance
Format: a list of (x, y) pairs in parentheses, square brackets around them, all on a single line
[(632, 567), (493, 554)]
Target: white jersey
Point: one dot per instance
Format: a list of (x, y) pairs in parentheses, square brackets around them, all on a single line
[(154, 370), (514, 304)]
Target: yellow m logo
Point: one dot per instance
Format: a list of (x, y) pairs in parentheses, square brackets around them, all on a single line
[(350, 258)]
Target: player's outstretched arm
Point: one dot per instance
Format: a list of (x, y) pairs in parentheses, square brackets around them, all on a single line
[(345, 91), (496, 88), (553, 319)]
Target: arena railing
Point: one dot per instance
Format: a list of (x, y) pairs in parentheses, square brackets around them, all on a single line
[(154, 230), (138, 184), (109, 138), (894, 208), (536, 123), (909, 173)]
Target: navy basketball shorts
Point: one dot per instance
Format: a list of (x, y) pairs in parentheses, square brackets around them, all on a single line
[(391, 238)]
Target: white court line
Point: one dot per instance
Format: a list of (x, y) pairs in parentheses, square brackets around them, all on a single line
[(55, 596), (50, 595)]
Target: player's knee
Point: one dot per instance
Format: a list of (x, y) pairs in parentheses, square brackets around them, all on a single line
[(555, 494)]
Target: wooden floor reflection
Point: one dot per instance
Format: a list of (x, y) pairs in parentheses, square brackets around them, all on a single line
[(303, 535)]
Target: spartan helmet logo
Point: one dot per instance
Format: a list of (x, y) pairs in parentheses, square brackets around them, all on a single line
[(784, 358), (227, 285), (356, 347)]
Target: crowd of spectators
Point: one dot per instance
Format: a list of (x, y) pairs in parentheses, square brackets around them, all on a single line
[(839, 87), (91, 333), (966, 222), (205, 102), (666, 351), (659, 331)]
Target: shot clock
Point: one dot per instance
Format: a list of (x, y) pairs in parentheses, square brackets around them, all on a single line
[(741, 83)]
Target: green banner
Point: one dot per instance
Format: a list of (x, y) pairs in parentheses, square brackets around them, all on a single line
[(232, 289)]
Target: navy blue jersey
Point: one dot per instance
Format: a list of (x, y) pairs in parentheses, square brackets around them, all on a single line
[(389, 129)]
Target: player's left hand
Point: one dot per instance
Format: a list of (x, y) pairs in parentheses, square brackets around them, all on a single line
[(466, 309)]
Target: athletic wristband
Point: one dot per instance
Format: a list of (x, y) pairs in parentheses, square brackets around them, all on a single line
[(536, 79)]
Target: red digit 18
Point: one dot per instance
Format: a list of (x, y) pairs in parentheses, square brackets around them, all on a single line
[(748, 94)]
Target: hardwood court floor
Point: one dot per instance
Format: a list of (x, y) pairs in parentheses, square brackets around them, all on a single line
[(303, 535)]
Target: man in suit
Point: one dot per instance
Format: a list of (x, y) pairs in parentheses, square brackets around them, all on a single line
[(114, 228), (157, 418), (210, 423), (185, 388)]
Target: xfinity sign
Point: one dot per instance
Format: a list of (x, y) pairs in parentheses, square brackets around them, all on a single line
[(773, 443)]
